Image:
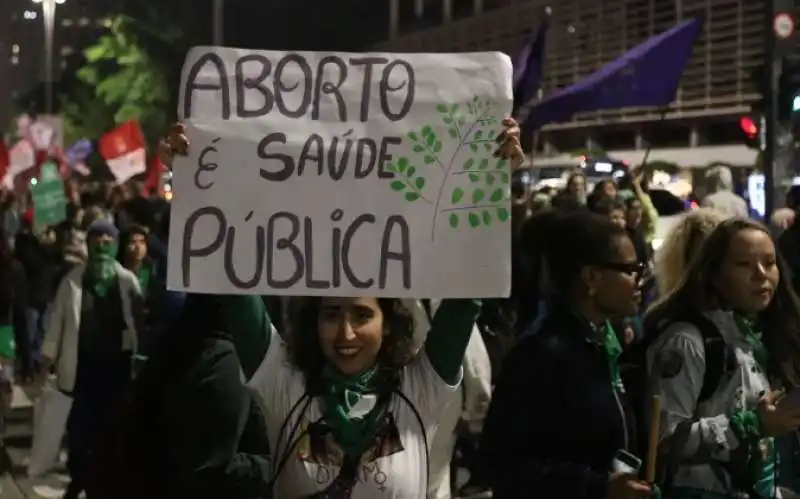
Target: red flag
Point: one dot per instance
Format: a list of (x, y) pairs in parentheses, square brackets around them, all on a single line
[(5, 159), (123, 150), (155, 170)]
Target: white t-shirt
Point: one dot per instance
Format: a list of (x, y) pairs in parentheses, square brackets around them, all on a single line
[(399, 475)]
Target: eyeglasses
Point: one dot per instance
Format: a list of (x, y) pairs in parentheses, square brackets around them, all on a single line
[(632, 268)]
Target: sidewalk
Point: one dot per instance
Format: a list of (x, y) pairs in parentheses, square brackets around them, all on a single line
[(18, 437)]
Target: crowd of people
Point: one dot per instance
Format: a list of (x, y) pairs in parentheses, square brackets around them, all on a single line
[(613, 371)]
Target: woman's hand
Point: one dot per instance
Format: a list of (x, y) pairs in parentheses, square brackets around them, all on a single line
[(510, 147), (777, 414), (627, 486), (174, 144)]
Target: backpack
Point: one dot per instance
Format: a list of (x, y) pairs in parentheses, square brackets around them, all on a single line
[(128, 461), (720, 362)]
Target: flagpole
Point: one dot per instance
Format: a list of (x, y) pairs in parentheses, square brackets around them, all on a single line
[(663, 117)]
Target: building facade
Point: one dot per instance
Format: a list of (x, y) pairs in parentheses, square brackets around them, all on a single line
[(77, 24), (716, 89)]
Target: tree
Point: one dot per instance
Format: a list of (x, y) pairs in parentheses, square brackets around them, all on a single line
[(119, 82)]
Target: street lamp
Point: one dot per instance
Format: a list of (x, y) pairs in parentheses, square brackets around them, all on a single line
[(49, 12)]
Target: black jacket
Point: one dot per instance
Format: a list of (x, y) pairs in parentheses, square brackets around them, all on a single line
[(556, 421)]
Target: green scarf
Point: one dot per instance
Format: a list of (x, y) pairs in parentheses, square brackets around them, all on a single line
[(144, 274), (100, 267), (762, 462), (354, 435), (613, 350)]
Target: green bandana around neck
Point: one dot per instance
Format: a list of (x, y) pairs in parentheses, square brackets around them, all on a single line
[(143, 275), (351, 409), (761, 463), (611, 347), (101, 267)]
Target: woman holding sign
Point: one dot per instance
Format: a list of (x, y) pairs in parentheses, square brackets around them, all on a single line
[(350, 409)]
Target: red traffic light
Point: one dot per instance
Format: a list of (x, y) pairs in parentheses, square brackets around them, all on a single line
[(748, 126)]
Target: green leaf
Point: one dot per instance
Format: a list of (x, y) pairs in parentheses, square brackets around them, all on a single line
[(474, 220), (418, 148), (502, 214), (398, 185), (487, 146), (447, 120), (412, 136), (478, 135), (484, 164), (411, 171), (496, 195), (437, 147), (442, 108), (474, 177), (420, 183), (429, 160), (489, 179), (412, 196), (474, 147), (500, 164), (453, 220), (487, 217), (477, 195), (453, 133), (402, 164), (426, 130), (504, 177), (431, 139), (454, 108), (390, 167), (458, 193), (468, 163)]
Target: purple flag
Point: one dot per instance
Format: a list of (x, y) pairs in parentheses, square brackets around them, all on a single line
[(646, 76), (529, 64), (76, 156)]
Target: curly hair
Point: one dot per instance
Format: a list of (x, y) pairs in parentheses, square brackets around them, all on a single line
[(675, 256), (780, 321), (305, 352)]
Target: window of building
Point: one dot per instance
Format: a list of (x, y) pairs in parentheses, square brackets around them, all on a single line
[(14, 60), (67, 50), (30, 15), (83, 22), (67, 23), (15, 49)]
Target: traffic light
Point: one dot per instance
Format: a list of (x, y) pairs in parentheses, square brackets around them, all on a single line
[(788, 86), (749, 125)]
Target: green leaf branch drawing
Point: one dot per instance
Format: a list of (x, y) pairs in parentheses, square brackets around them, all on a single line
[(486, 202), (427, 144), (484, 199), (407, 180)]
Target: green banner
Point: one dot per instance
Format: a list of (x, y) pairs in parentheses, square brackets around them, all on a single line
[(49, 200)]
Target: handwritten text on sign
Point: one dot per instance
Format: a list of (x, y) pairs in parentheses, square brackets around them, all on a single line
[(342, 174)]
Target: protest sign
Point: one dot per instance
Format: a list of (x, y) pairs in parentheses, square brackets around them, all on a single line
[(342, 175), (49, 200)]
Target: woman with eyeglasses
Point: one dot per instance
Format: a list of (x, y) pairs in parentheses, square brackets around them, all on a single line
[(722, 341), (564, 441)]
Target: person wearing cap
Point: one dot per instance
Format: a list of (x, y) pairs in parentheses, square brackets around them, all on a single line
[(90, 337)]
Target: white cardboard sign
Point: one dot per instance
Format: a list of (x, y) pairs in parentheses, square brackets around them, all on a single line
[(342, 174)]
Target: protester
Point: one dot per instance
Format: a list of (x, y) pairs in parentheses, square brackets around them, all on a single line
[(14, 343), (681, 245), (724, 340), (190, 427), (562, 443), (90, 337), (720, 195)]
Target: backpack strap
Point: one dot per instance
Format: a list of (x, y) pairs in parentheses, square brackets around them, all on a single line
[(720, 358)]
